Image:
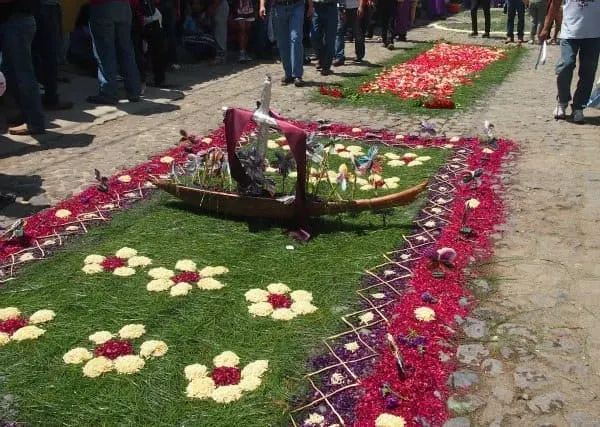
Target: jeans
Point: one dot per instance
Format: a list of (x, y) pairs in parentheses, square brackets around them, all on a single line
[(288, 21), (485, 5), (110, 25), (589, 52), (46, 49), (17, 34), (352, 21), (220, 20), (169, 22), (537, 11), (324, 28), (515, 7)]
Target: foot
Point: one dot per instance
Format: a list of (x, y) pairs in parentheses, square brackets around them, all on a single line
[(298, 82), (369, 35), (16, 120), (244, 57), (509, 39), (134, 98), (521, 40), (338, 62), (402, 37), (219, 60), (319, 67), (390, 46), (175, 67), (474, 34), (578, 116), (560, 112), (23, 130), (286, 81), (485, 36), (101, 100), (532, 40), (326, 72), (59, 105), (358, 61)]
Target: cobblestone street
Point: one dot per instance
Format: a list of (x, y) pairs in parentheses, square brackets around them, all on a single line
[(530, 354)]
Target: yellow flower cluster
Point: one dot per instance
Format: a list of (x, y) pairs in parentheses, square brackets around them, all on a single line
[(366, 318), (132, 331), (261, 307), (162, 278), (389, 420), (315, 419), (63, 213), (100, 337), (424, 314), (153, 348), (29, 332), (77, 355), (201, 386)]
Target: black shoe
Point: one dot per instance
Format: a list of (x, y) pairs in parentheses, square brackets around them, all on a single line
[(485, 36), (358, 61), (298, 82), (402, 37), (286, 81), (338, 62), (326, 72), (319, 67), (473, 34), (390, 46)]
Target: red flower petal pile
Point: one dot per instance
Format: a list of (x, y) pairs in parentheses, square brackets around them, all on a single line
[(434, 74), (331, 91), (112, 263), (10, 326), (187, 277), (114, 348), (279, 301), (226, 376), (440, 104)]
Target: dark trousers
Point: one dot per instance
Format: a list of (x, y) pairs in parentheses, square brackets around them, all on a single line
[(485, 5), (45, 50), (153, 36), (386, 9), (324, 29), (353, 22), (515, 7), (169, 19)]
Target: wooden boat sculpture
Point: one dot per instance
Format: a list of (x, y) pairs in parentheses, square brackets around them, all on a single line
[(298, 206)]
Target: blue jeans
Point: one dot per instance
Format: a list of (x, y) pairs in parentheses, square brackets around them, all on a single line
[(110, 25), (515, 7), (46, 47), (288, 22), (356, 24), (17, 35), (589, 52), (325, 21)]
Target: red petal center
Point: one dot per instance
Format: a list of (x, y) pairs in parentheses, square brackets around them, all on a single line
[(279, 301), (112, 263), (187, 277), (11, 326), (226, 376), (113, 348)]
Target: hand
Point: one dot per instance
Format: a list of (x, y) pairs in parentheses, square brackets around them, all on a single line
[(544, 34), (262, 12), (309, 10), (360, 12)]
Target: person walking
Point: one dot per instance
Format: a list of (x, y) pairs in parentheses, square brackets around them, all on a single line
[(515, 8), (288, 20), (218, 11), (324, 29), (170, 11), (387, 11), (485, 5), (350, 16), (537, 12), (46, 45), (110, 24), (580, 36), (17, 31)]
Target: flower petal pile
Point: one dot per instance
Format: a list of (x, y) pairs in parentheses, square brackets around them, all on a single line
[(226, 383), (434, 74), (15, 327), (187, 274), (279, 302), (115, 352), (123, 263)]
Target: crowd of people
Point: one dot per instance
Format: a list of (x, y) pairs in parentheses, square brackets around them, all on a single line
[(135, 39), (130, 39)]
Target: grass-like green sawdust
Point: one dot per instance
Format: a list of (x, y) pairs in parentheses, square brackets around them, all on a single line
[(499, 20), (463, 97), (196, 327)]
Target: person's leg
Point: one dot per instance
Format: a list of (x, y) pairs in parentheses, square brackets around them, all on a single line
[(220, 19), (295, 34), (541, 18), (102, 28), (243, 28), (340, 56), (137, 38), (402, 19), (316, 33), (359, 35), (281, 20), (510, 23), (17, 35), (46, 45), (156, 46), (385, 12), (520, 6), (474, 7), (533, 14), (564, 69), (487, 17), (331, 22), (588, 64), (169, 22), (125, 52)]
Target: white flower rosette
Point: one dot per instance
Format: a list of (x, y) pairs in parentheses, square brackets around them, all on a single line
[(279, 302)]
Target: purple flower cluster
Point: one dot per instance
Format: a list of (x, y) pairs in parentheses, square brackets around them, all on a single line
[(412, 340)]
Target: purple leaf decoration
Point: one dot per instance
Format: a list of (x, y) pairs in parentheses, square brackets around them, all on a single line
[(428, 298), (446, 255), (430, 253), (391, 402)]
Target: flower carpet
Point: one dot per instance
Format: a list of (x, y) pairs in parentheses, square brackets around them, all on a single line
[(179, 318), (437, 77)]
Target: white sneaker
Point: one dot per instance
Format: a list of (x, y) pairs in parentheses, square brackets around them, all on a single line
[(560, 112), (578, 117)]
